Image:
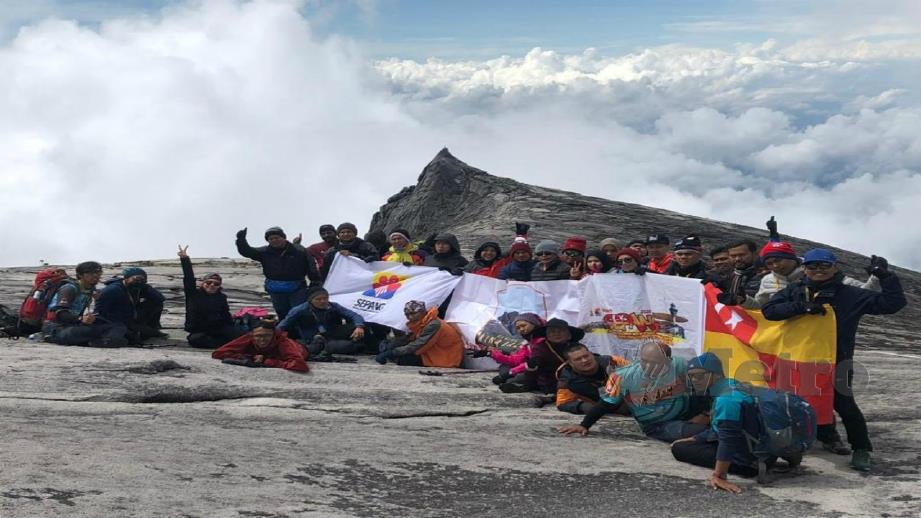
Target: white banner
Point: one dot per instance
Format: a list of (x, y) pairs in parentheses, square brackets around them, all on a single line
[(378, 291), (617, 311)]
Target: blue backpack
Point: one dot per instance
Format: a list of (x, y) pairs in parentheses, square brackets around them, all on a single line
[(787, 424)]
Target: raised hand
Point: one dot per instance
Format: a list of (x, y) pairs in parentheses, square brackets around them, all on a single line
[(241, 234), (183, 252), (772, 228), (879, 267), (298, 239)]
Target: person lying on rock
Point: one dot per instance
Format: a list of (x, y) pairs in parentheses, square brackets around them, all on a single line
[(264, 346), (70, 319), (656, 391), (287, 268), (128, 299), (546, 358), (824, 284), (349, 245), (581, 379), (207, 314), (325, 327), (430, 342)]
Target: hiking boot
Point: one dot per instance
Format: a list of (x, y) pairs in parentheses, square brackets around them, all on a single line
[(793, 459), (837, 447), (540, 400), (860, 460), (498, 380), (513, 388)]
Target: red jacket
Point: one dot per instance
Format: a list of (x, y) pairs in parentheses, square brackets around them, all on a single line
[(318, 251), (489, 271), (661, 265), (284, 352)]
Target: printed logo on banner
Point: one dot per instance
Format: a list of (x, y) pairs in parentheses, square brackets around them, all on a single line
[(640, 325), (384, 285)]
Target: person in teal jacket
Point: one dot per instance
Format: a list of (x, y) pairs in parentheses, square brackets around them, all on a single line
[(656, 392)]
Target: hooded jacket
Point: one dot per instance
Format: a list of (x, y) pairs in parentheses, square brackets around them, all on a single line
[(204, 312), (451, 260), (290, 263), (557, 270), (283, 353), (849, 302), (480, 266), (118, 303)]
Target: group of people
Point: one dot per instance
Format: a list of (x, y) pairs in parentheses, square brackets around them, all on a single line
[(693, 405)]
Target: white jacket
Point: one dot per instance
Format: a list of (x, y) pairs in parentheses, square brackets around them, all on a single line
[(773, 283)]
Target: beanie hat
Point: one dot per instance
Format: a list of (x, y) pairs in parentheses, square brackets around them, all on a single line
[(520, 246), (274, 231), (530, 318), (688, 243), (778, 249), (610, 242), (629, 251), (636, 242), (547, 245), (89, 267), (708, 362), (327, 227), (819, 255), (575, 243), (312, 293), (131, 271), (347, 225), (657, 239), (400, 232), (414, 306)]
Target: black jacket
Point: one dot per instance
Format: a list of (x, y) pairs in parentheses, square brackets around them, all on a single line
[(451, 260), (291, 263), (204, 312), (695, 271), (556, 271), (357, 247), (849, 302), (478, 262)]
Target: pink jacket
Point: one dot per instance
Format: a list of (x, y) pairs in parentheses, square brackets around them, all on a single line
[(518, 360)]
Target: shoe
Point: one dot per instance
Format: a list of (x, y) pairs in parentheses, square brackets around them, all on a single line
[(860, 460), (513, 388), (837, 447), (540, 401), (764, 474), (500, 379), (793, 459)]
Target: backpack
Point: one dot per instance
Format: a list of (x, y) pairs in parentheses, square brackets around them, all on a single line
[(249, 317), (787, 424), (34, 308)]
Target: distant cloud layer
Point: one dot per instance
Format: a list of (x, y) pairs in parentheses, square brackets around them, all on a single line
[(123, 141)]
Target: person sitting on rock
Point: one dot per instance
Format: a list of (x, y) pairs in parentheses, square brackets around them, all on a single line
[(597, 261), (723, 447), (657, 250), (70, 319), (207, 314), (546, 358), (287, 268), (349, 245), (824, 284), (629, 261), (325, 327), (687, 261), (403, 250), (610, 246), (521, 265), (657, 393), (430, 342), (264, 346), (581, 378), (131, 301), (515, 363), (549, 266), (447, 255)]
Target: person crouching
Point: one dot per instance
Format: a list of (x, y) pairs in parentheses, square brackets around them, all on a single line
[(431, 342)]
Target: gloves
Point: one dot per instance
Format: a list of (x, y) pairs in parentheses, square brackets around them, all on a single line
[(772, 228), (521, 229), (244, 362), (382, 357), (727, 298), (241, 234), (813, 308), (879, 267), (641, 270), (479, 353)]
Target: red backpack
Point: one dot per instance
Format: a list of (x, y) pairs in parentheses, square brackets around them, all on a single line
[(34, 308)]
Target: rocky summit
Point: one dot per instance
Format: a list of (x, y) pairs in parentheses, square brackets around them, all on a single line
[(164, 430)]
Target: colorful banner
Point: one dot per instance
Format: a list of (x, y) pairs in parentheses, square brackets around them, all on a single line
[(796, 355), (378, 291), (618, 312)]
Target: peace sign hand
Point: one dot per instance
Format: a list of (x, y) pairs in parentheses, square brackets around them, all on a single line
[(183, 252)]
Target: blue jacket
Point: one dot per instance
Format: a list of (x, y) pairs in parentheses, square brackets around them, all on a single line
[(117, 303), (849, 302), (733, 415), (517, 271), (310, 321)]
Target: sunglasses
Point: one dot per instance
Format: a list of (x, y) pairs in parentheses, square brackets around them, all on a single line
[(572, 253), (819, 266)]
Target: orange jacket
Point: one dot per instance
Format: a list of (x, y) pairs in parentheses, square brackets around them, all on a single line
[(284, 353), (574, 389), (445, 348)]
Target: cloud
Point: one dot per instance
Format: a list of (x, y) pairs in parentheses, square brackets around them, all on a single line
[(120, 141)]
